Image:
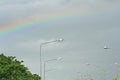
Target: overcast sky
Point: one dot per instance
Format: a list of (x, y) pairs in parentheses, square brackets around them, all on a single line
[(85, 25)]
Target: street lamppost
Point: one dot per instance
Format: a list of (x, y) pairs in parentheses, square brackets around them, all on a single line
[(57, 59), (45, 43)]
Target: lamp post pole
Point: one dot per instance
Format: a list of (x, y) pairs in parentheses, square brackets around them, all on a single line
[(117, 70), (45, 43), (40, 60), (49, 61)]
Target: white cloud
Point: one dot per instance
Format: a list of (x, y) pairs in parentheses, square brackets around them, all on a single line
[(20, 9), (56, 4)]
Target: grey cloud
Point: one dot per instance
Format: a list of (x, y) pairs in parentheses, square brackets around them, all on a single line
[(65, 2), (8, 2), (30, 7)]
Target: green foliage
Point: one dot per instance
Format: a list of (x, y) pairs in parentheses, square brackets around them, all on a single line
[(115, 78), (12, 69)]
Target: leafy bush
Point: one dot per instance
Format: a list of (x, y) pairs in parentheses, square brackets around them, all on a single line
[(12, 69)]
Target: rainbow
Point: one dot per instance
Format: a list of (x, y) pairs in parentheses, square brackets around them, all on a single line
[(38, 19), (31, 21)]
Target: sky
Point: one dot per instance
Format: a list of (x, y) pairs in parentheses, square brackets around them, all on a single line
[(85, 25)]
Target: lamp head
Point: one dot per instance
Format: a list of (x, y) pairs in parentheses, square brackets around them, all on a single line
[(59, 58), (105, 47), (116, 63), (87, 63), (60, 40)]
